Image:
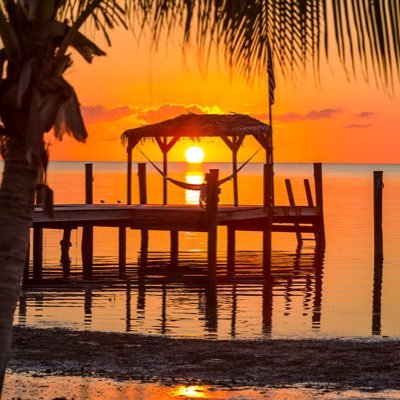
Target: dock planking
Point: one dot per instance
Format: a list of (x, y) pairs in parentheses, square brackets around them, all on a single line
[(169, 217)]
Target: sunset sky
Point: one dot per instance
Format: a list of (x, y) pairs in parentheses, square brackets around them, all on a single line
[(335, 121)]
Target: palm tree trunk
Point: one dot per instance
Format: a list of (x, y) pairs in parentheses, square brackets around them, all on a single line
[(16, 214)]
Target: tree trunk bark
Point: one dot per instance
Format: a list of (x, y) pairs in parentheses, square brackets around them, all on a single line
[(16, 215)]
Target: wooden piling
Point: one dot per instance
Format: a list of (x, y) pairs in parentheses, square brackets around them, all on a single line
[(25, 276), (319, 203), (267, 233), (87, 251), (212, 207), (37, 245), (144, 233), (292, 203), (87, 232), (378, 254), (89, 183), (378, 232)]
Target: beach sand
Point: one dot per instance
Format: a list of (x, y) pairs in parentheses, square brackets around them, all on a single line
[(333, 366)]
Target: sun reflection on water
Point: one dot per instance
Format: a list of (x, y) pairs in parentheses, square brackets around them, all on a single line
[(196, 178), (190, 392)]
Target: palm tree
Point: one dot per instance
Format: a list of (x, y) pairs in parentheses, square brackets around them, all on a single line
[(35, 98)]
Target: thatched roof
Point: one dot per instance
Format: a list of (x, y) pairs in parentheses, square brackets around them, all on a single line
[(200, 125)]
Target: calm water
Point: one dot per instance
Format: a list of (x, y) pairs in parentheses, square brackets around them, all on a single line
[(312, 295)]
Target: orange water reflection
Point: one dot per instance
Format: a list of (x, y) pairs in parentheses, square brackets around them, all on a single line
[(25, 386), (196, 178), (347, 297), (191, 392)]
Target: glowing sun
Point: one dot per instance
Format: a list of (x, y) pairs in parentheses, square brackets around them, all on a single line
[(194, 155)]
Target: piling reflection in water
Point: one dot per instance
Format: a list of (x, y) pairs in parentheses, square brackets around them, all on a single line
[(180, 302)]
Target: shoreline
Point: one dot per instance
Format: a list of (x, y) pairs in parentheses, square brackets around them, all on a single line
[(335, 364)]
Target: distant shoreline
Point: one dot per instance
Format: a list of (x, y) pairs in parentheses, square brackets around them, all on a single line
[(332, 363)]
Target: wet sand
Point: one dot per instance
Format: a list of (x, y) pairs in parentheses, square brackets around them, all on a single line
[(334, 364)]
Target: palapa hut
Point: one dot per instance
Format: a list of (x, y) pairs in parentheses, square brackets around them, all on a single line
[(231, 128)]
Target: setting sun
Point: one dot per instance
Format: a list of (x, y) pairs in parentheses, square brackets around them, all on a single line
[(194, 155)]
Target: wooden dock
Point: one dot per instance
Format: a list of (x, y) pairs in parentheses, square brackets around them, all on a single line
[(266, 218)]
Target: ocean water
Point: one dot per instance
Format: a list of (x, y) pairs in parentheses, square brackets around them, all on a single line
[(311, 295)]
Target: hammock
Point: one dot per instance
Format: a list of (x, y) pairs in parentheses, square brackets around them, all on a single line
[(193, 186)]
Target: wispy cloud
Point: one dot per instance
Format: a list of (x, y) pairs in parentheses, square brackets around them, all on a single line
[(313, 115), (325, 113), (365, 114), (357, 126), (93, 114)]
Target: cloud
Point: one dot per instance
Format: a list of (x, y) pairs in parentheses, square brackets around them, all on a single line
[(93, 114), (325, 113), (358, 126), (313, 115), (166, 111), (365, 114)]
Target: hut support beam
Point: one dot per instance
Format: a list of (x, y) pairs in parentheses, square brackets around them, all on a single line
[(234, 146), (165, 147)]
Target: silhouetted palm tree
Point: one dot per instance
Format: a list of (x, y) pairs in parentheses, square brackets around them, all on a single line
[(35, 98)]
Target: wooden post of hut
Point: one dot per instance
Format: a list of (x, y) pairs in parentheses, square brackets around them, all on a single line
[(87, 232), (212, 208), (144, 233), (129, 176)]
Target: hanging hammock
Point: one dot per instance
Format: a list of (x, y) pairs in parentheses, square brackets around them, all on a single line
[(193, 186)]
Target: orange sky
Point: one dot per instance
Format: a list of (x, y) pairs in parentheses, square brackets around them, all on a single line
[(339, 121)]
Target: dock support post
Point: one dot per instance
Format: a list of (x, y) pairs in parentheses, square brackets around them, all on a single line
[(212, 208), (319, 203), (37, 251), (65, 259), (25, 277), (174, 248), (378, 233), (144, 233), (231, 249), (267, 233), (121, 250), (87, 232)]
